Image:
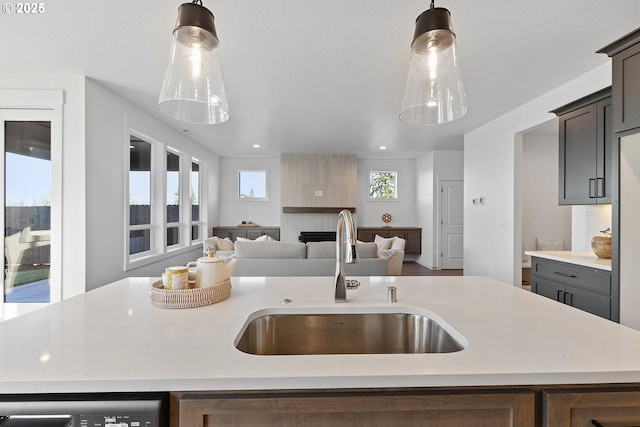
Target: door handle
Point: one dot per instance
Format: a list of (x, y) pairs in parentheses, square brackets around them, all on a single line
[(592, 188), (560, 297), (568, 296)]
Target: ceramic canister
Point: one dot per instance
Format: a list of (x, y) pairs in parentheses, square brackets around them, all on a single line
[(177, 278)]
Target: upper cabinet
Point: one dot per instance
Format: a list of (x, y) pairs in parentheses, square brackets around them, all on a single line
[(625, 54), (585, 150)]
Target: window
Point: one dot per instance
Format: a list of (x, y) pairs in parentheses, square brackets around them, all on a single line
[(252, 185), (31, 191), (173, 199), (165, 201), (140, 195), (27, 211), (196, 224), (383, 185)]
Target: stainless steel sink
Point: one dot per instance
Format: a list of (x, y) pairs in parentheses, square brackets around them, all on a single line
[(340, 333)]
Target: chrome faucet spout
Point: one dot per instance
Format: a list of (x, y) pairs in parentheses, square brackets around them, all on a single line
[(346, 252)]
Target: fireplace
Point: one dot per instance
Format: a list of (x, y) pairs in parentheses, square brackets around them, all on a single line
[(317, 236)]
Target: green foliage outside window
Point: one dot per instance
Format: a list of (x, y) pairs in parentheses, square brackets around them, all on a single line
[(383, 185)]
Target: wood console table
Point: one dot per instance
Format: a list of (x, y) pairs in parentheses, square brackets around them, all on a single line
[(247, 232), (413, 236)]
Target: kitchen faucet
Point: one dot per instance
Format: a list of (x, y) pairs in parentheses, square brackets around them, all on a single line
[(345, 232)]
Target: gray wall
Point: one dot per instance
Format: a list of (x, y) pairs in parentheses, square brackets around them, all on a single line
[(542, 217), (108, 119)]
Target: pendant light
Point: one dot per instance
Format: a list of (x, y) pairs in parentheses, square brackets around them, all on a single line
[(434, 93), (193, 87)]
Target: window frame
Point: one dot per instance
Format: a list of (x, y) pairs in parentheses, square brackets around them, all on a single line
[(383, 199), (199, 223), (132, 258), (179, 225), (158, 247), (266, 185), (36, 105)]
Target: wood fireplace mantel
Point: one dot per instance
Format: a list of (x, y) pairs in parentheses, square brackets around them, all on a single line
[(315, 210)]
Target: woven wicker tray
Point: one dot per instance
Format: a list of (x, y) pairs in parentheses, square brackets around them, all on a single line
[(189, 298)]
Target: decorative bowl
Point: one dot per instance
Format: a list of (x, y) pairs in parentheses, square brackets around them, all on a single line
[(601, 246)]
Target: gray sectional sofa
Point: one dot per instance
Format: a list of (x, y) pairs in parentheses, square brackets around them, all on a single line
[(310, 259)]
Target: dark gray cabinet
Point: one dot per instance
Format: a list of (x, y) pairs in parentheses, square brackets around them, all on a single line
[(585, 135), (412, 235), (625, 54), (246, 232), (585, 288)]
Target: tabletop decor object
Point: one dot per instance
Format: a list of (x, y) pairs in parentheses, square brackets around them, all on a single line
[(386, 218), (601, 245), (189, 298)]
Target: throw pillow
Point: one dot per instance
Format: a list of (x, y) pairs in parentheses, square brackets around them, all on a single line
[(210, 242), (398, 244), (549, 245), (224, 244), (383, 244), (263, 238)]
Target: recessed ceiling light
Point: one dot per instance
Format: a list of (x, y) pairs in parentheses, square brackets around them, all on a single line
[(383, 147), (256, 145)]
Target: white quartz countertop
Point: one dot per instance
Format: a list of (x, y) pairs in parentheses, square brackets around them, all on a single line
[(585, 259), (113, 339)]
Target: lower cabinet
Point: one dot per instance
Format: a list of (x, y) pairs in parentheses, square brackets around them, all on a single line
[(246, 232), (606, 405), (412, 236), (338, 408), (568, 408), (587, 289), (600, 305)]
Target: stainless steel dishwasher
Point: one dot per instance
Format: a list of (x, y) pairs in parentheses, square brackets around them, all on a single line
[(84, 410)]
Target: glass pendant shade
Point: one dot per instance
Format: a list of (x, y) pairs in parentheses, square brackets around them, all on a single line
[(193, 87), (434, 93)]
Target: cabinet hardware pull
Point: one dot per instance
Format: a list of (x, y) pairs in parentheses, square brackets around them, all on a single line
[(597, 424), (592, 188), (600, 187), (572, 276), (568, 298), (560, 295)]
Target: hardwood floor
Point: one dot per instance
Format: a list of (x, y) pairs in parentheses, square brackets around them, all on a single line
[(410, 268)]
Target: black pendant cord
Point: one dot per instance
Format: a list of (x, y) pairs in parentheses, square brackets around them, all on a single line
[(433, 4), (199, 2)]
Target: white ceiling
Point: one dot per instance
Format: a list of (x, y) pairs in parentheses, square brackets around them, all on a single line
[(322, 76)]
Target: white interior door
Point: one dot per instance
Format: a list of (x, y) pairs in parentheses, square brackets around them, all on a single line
[(451, 224), (30, 191)]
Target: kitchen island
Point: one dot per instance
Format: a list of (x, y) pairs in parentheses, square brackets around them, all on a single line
[(113, 339)]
